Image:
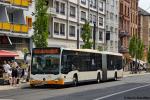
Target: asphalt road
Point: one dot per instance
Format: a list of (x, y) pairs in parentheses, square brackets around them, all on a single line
[(129, 88)]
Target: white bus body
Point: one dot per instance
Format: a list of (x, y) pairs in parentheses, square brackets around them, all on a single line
[(62, 66)]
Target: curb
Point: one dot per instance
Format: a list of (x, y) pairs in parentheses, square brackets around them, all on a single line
[(8, 87), (131, 75)]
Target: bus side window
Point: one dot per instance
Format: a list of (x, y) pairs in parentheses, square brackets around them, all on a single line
[(48, 62)]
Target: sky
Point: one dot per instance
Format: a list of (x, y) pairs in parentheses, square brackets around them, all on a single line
[(145, 4)]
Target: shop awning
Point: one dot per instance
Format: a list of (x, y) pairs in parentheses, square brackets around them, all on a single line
[(5, 53)]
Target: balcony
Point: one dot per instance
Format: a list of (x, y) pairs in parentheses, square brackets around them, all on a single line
[(24, 3), (123, 34), (21, 3), (18, 28), (123, 49)]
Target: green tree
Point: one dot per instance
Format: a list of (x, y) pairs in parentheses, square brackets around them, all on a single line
[(140, 49), (132, 46), (86, 36), (148, 59), (41, 24), (148, 56), (136, 48)]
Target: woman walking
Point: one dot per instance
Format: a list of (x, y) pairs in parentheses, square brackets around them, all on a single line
[(14, 75)]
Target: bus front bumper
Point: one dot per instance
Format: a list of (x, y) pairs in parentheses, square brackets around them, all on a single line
[(50, 82)]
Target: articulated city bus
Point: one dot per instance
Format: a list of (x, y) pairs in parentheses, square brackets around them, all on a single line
[(60, 66)]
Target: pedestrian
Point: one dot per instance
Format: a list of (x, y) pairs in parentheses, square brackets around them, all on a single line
[(7, 68), (7, 71), (14, 75)]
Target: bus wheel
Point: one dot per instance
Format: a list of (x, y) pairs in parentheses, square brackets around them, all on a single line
[(32, 85), (98, 78), (115, 76), (75, 80)]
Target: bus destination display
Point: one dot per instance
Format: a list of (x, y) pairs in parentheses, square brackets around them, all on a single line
[(46, 51)]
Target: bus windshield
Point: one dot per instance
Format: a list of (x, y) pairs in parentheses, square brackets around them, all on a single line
[(45, 64)]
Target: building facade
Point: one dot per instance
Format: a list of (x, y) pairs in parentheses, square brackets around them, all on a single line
[(112, 24), (128, 26), (16, 24), (124, 25), (144, 30), (134, 17), (68, 17)]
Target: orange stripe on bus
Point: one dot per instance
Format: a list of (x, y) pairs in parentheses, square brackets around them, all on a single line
[(57, 82)]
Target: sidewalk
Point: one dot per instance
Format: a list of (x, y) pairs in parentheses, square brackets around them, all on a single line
[(129, 74), (8, 87)]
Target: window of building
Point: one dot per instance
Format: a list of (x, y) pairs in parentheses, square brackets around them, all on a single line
[(29, 22), (111, 16), (107, 14), (72, 31), (72, 11), (94, 18), (62, 8), (57, 6), (100, 35), (83, 2), (111, 29), (101, 6), (90, 18), (94, 3), (116, 30), (101, 21), (91, 3), (81, 31), (113, 3), (111, 43), (116, 17), (62, 29), (107, 28), (83, 16), (56, 28), (116, 44)]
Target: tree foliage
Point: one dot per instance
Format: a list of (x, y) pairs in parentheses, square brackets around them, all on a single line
[(148, 55), (41, 24), (86, 36), (136, 48)]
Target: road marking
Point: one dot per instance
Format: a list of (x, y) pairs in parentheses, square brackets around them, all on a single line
[(107, 96)]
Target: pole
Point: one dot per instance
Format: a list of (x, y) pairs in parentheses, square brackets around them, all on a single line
[(94, 33), (78, 37)]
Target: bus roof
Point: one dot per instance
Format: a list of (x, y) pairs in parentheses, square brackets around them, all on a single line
[(94, 51), (111, 53), (86, 50), (83, 50)]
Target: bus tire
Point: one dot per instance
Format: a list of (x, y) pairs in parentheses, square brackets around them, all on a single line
[(98, 78), (32, 85), (75, 80), (115, 76)]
